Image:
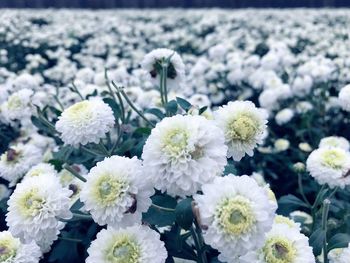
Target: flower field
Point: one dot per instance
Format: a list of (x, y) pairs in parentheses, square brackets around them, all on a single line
[(172, 136)]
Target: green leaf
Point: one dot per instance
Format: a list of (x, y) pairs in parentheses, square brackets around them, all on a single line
[(230, 169), (160, 217), (115, 107), (202, 110), (171, 107), (63, 153), (291, 200), (156, 112), (126, 146), (183, 103), (316, 240), (339, 241), (143, 130), (184, 213)]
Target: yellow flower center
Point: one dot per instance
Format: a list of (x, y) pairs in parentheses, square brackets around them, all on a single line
[(8, 248), (31, 203), (333, 158), (80, 111), (279, 250), (108, 189), (235, 216), (244, 127), (14, 103), (123, 250), (175, 142)]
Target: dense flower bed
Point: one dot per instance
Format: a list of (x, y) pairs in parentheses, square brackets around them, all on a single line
[(175, 136)]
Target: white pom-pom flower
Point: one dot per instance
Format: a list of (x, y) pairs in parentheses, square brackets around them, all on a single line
[(18, 106), (244, 127), (237, 213), (283, 244), (284, 116), (154, 60), (335, 141), (134, 244), (85, 122), (41, 169), (344, 98), (17, 160), (339, 255), (116, 193), (14, 251), (330, 166), (35, 208), (183, 153)]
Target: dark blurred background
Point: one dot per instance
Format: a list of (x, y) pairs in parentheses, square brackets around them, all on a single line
[(171, 3)]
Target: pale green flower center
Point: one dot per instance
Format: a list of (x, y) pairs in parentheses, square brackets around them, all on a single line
[(124, 250), (175, 141), (175, 144), (80, 111), (14, 103), (31, 203), (279, 250), (108, 189), (244, 128), (8, 248), (333, 158), (235, 216)]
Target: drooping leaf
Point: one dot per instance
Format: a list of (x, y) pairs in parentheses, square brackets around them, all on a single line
[(184, 214)]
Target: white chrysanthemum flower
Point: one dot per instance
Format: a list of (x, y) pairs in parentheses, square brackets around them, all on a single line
[(17, 160), (183, 153), (335, 141), (281, 145), (237, 213), (284, 116), (330, 166), (12, 250), (85, 122), (283, 244), (344, 98), (136, 244), (18, 105), (302, 217), (35, 208), (153, 61), (305, 147), (339, 255), (41, 169), (244, 126), (116, 192)]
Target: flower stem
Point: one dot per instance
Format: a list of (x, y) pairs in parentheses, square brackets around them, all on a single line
[(103, 148), (69, 239), (132, 105), (301, 189), (74, 172), (163, 208), (326, 204)]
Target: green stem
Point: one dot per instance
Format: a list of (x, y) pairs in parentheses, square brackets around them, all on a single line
[(77, 91), (301, 189), (197, 244), (91, 151), (103, 148), (58, 102), (70, 239), (121, 104), (202, 253), (132, 105), (163, 208), (74, 172), (326, 204), (81, 216)]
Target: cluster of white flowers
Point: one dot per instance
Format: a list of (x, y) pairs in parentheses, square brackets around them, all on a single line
[(175, 128)]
